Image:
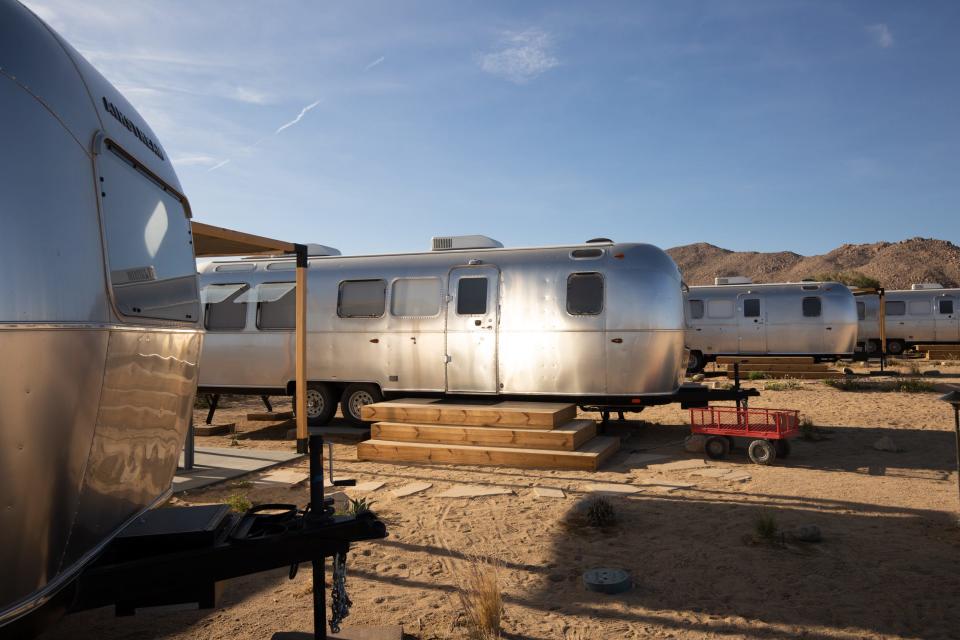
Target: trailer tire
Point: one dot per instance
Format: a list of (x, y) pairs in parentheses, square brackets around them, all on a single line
[(321, 404), (762, 452), (716, 447), (356, 396), (696, 362), (731, 443), (895, 347), (872, 346), (782, 447)]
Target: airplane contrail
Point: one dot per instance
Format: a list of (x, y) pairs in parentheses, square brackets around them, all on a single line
[(374, 63), (299, 117)]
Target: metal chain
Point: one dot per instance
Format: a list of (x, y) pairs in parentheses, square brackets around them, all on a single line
[(340, 601)]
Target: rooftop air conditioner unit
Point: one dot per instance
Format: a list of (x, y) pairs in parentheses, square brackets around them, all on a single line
[(449, 243), (926, 285), (733, 280)]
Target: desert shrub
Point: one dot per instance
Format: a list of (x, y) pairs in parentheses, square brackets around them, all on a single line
[(784, 385), (846, 384), (600, 512), (757, 375), (481, 598), (238, 502), (912, 385), (849, 278), (765, 527), (360, 505)]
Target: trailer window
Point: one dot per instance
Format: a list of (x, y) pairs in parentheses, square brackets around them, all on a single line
[(896, 308), (812, 307), (584, 294), (236, 267), (361, 298), (415, 297), (222, 312), (751, 308), (946, 306), (472, 296), (696, 309), (277, 306), (149, 241), (720, 309), (919, 307)]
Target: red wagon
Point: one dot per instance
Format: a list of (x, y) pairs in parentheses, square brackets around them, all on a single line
[(769, 430)]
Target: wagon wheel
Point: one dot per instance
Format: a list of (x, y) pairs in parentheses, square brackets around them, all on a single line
[(762, 452), (782, 448), (716, 447)]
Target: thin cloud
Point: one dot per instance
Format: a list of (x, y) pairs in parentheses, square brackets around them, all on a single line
[(521, 56), (218, 165), (299, 117), (194, 160), (374, 63), (881, 35)]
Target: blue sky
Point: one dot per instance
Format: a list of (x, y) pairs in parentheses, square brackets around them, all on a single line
[(371, 126)]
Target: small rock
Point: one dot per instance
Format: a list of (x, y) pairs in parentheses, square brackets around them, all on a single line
[(886, 443), (695, 443), (808, 533), (698, 377)]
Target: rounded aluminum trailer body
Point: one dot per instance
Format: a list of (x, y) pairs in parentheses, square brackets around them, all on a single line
[(772, 319), (921, 316), (97, 354), (525, 342)]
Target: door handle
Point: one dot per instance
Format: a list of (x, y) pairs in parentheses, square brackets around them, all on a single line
[(829, 328), (617, 340)]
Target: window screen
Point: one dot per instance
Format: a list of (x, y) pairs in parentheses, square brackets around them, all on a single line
[(279, 313), (751, 308), (472, 296), (227, 315), (415, 297), (361, 298), (811, 307), (584, 294), (896, 308), (696, 309), (861, 311), (149, 244), (946, 306), (720, 308), (919, 307)]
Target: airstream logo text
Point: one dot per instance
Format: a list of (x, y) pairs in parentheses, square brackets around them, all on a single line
[(134, 129)]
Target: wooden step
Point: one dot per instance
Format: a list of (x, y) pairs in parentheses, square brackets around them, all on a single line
[(588, 458), (566, 437), (799, 375), (529, 415), (783, 367), (943, 346), (765, 359)]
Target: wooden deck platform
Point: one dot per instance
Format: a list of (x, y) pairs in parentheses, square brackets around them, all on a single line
[(530, 415)]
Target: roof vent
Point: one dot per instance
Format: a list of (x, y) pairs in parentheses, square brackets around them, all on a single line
[(599, 240), (733, 280), (926, 285), (321, 250), (448, 243)]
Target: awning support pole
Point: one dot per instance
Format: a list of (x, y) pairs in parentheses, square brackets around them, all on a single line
[(301, 348)]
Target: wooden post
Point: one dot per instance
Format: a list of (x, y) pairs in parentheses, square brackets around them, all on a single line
[(301, 348), (883, 326)]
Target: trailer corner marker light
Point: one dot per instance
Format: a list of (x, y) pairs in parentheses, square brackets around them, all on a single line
[(618, 256)]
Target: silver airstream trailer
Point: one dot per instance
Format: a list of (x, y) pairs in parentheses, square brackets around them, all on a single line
[(739, 318), (924, 314), (99, 314), (469, 317)]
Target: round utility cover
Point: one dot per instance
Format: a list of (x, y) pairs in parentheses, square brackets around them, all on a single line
[(606, 580)]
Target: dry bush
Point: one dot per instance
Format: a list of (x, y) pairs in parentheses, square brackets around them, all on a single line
[(600, 512), (480, 597)]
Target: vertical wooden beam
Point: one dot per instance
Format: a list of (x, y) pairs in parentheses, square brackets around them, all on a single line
[(301, 348)]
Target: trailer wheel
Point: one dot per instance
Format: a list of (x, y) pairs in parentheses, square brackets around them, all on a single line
[(696, 362), (321, 404), (895, 347), (731, 443), (716, 447), (355, 396), (762, 452), (873, 346), (782, 447)]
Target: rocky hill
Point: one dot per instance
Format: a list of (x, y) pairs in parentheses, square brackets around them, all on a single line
[(894, 265)]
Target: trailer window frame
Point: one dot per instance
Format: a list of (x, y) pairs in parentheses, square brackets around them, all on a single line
[(229, 300), (281, 299), (697, 309), (394, 296), (895, 308), (914, 304), (750, 313), (940, 304), (861, 310), (347, 283), (471, 310), (592, 306), (807, 312), (721, 308)]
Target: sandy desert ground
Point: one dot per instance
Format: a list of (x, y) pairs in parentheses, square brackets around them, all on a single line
[(888, 565)]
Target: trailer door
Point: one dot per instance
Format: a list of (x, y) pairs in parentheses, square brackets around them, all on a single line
[(752, 323), (946, 319), (472, 324)]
